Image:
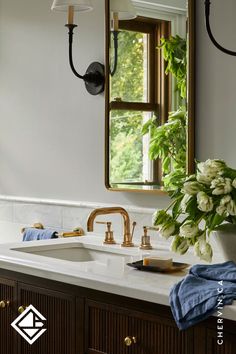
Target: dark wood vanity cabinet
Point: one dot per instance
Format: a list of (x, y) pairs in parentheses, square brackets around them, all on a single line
[(111, 328), (229, 346), (84, 321), (7, 314), (59, 310)]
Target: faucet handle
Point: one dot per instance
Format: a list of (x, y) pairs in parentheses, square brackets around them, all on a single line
[(109, 235), (152, 228), (133, 228), (104, 223), (145, 240)]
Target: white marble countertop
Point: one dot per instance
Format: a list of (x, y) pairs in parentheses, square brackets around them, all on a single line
[(111, 275)]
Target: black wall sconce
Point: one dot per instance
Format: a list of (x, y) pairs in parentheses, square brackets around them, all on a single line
[(120, 10), (94, 78), (209, 31)]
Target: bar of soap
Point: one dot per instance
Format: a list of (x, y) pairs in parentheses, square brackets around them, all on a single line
[(159, 262)]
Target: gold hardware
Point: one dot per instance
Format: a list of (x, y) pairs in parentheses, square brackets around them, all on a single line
[(21, 309), (76, 232), (132, 233), (127, 241), (145, 243), (36, 225), (109, 235), (4, 304), (129, 341)]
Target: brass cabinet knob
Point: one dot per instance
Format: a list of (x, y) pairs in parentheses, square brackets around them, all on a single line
[(129, 341), (4, 304), (21, 309)]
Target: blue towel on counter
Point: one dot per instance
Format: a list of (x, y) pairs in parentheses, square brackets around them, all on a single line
[(31, 234), (202, 292)]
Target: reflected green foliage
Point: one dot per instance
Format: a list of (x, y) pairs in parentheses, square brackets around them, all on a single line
[(125, 126), (174, 51), (126, 146), (168, 142), (128, 81)]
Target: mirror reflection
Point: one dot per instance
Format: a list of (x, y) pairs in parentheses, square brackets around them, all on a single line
[(148, 94)]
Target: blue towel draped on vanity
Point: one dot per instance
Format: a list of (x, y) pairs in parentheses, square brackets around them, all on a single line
[(31, 234), (206, 289)]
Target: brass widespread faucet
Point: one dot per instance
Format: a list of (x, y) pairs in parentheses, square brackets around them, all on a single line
[(127, 241)]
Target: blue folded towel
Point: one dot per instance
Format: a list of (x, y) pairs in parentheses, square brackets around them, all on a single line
[(200, 293), (31, 234)]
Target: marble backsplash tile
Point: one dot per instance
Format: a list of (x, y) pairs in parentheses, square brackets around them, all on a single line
[(63, 215), (66, 216), (48, 215)]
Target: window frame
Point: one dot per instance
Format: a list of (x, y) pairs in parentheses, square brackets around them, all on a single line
[(159, 84)]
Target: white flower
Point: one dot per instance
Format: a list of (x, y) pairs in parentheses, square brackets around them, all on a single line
[(221, 185), (167, 229), (205, 203), (234, 183), (184, 202), (225, 200), (211, 168), (189, 229), (221, 210), (160, 217), (231, 208), (191, 188), (179, 245), (203, 249), (204, 179)]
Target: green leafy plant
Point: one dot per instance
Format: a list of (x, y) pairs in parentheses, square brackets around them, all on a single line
[(200, 204), (175, 54), (168, 141)]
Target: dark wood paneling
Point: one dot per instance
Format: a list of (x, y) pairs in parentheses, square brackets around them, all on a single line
[(228, 346), (101, 325), (7, 334), (108, 326), (59, 310)]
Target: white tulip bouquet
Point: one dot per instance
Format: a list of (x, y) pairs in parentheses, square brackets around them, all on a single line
[(202, 201)]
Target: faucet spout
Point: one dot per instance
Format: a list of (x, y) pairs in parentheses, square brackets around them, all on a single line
[(127, 241)]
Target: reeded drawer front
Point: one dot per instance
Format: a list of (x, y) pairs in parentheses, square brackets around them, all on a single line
[(59, 310), (228, 346), (109, 327), (7, 315)]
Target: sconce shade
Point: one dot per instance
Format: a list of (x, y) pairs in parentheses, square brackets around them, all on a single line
[(79, 5), (124, 8)]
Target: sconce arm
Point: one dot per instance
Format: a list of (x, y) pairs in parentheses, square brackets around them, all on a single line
[(208, 26), (115, 41), (71, 34), (94, 77)]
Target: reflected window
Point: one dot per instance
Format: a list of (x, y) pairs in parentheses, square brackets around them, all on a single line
[(139, 90), (130, 83), (129, 162)]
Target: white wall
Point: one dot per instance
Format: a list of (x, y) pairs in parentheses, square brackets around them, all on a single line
[(216, 84), (52, 131)]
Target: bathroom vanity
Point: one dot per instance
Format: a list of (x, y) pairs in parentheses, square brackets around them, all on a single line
[(98, 306)]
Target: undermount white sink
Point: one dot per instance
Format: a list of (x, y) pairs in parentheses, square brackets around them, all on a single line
[(77, 252)]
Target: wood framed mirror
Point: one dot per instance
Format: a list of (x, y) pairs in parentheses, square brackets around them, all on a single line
[(150, 96)]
